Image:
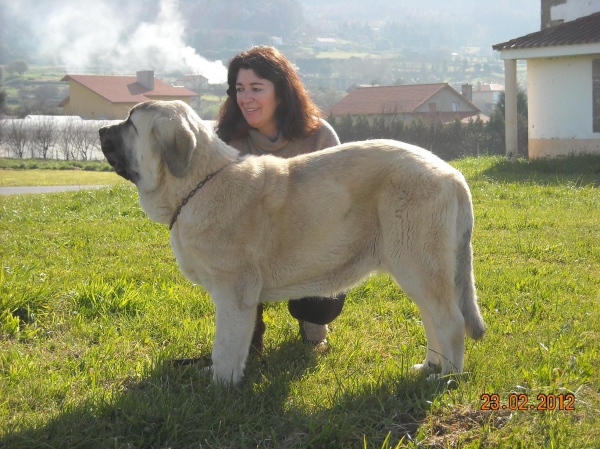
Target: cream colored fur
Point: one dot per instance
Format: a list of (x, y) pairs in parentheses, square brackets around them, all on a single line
[(268, 229)]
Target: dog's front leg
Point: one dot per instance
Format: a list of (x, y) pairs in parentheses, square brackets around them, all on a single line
[(235, 324)]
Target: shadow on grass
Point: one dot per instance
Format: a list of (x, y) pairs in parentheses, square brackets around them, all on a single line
[(180, 407), (583, 170)]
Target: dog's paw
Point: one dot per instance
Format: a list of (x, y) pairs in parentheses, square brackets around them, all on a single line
[(207, 371), (447, 381), (428, 367)]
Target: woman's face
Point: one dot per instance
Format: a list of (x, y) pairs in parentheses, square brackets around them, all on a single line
[(256, 98)]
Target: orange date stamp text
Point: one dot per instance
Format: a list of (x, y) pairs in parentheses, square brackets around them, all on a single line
[(520, 401)]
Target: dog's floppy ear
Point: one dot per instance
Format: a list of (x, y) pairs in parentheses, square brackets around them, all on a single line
[(176, 141)]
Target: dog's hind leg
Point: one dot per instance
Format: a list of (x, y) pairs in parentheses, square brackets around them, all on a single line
[(448, 324), (432, 359), (433, 292), (444, 328)]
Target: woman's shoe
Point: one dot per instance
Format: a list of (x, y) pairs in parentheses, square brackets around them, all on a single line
[(315, 334)]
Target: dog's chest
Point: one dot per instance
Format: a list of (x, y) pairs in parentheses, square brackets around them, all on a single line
[(191, 262)]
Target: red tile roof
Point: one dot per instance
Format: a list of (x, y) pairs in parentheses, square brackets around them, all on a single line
[(126, 89), (375, 100), (585, 30)]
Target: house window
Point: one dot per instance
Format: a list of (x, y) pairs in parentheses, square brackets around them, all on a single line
[(455, 107), (432, 107), (596, 95)]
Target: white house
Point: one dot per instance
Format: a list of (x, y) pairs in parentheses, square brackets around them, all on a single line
[(325, 43), (563, 81), (485, 96)]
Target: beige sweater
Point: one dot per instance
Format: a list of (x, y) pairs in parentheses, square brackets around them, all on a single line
[(258, 144)]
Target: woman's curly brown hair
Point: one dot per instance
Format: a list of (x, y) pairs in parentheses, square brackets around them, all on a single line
[(296, 114)]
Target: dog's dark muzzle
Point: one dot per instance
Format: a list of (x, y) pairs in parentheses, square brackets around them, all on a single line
[(107, 144), (112, 147)]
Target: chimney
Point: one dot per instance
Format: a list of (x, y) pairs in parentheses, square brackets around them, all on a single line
[(546, 15), (146, 79), (467, 91)]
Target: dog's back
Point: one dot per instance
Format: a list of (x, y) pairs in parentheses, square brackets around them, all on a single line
[(381, 205), (355, 207), (328, 213)]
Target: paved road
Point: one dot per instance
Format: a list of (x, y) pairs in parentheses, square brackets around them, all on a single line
[(43, 189)]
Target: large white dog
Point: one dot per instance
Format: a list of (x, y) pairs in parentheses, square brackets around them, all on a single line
[(252, 229)]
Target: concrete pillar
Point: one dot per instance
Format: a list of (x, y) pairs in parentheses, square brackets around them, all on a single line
[(510, 105)]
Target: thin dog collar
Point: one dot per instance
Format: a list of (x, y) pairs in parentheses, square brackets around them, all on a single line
[(193, 192)]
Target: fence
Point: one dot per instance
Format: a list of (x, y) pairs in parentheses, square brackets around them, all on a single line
[(52, 137)]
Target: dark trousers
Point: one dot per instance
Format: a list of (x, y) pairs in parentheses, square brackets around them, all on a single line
[(315, 310)]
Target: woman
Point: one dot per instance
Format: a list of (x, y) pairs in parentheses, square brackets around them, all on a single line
[(269, 111)]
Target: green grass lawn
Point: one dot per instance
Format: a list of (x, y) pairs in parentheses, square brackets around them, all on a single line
[(10, 178), (38, 172), (52, 164), (212, 98), (93, 307)]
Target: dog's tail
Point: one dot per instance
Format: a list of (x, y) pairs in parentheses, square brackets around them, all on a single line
[(464, 279)]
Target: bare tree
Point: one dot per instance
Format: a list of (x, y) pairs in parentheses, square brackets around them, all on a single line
[(2, 135), (198, 84), (19, 66), (95, 138), (43, 136), (43, 94), (85, 135), (65, 141), (220, 90), (2, 100), (325, 98), (389, 124), (17, 138)]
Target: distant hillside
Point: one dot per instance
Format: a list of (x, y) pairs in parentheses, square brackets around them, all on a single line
[(111, 33), (445, 22)]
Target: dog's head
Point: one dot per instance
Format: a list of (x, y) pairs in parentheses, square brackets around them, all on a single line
[(156, 133)]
